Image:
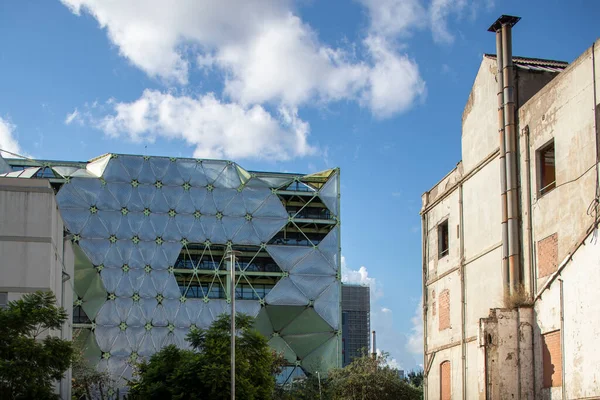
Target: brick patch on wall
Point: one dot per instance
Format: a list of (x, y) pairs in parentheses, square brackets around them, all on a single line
[(552, 359), (445, 382), (444, 309), (547, 252)]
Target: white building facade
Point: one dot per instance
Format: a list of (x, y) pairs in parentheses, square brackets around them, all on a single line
[(34, 254), (510, 262)]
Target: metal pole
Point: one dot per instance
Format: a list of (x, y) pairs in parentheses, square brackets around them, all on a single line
[(232, 297), (319, 377)]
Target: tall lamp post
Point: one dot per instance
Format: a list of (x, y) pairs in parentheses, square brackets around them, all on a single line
[(232, 260)]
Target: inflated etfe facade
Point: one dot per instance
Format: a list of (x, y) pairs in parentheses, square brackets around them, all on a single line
[(151, 234)]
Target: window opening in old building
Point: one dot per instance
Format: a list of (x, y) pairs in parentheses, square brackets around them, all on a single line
[(552, 359), (443, 245), (547, 168), (445, 382)]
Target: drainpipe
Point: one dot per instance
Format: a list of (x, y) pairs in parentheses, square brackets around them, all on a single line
[(531, 248), (562, 339), (596, 133), (506, 129)]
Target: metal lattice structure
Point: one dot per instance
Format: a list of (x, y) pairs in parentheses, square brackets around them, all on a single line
[(151, 234)]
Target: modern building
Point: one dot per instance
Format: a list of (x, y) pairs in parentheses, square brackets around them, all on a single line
[(150, 235), (511, 257), (34, 254), (356, 311)]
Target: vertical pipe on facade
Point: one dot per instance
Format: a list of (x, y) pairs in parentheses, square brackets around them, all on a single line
[(424, 246), (502, 158), (562, 339), (462, 292), (530, 259), (511, 158)]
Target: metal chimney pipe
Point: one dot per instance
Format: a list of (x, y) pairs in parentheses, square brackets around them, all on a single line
[(374, 346), (507, 140), (511, 159)]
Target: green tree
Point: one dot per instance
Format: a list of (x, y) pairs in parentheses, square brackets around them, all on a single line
[(204, 372), (368, 378), (87, 382), (415, 378), (305, 389), (29, 367)]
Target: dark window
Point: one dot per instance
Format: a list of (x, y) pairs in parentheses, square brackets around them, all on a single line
[(45, 172), (3, 300), (79, 316), (443, 245), (244, 291), (546, 168)]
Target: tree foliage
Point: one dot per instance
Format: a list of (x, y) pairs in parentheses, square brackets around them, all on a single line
[(204, 372), (368, 378), (29, 366), (415, 378), (87, 382), (311, 388)]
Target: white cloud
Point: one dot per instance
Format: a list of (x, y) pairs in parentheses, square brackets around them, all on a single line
[(215, 128), (72, 116), (156, 35), (398, 18), (395, 17), (265, 51), (361, 277), (439, 12), (383, 93), (7, 140), (415, 339)]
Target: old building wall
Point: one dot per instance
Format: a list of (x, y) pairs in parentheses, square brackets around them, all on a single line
[(446, 210), (482, 244), (561, 113), (434, 385), (480, 116), (581, 330)]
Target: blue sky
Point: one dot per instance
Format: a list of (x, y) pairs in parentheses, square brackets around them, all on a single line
[(375, 87)]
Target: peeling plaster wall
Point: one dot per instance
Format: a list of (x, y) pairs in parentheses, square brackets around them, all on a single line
[(581, 325), (508, 345), (552, 105), (563, 112), (452, 355)]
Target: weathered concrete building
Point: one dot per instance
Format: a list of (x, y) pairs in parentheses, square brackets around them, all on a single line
[(510, 238), (34, 255)]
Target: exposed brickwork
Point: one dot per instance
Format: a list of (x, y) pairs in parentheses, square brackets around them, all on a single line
[(547, 250), (445, 382), (444, 309), (552, 359), (434, 308)]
